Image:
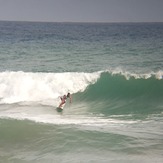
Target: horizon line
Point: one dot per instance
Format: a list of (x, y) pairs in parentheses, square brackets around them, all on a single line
[(100, 22)]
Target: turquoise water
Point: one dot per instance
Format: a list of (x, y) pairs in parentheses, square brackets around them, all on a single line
[(114, 72)]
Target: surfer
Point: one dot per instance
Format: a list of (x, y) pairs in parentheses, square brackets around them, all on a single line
[(64, 98)]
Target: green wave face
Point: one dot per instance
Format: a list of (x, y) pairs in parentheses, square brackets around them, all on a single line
[(114, 94)]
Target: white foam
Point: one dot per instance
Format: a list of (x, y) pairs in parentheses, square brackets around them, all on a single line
[(24, 86), (46, 117), (158, 75)]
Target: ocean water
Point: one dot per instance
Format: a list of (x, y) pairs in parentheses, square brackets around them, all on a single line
[(114, 72)]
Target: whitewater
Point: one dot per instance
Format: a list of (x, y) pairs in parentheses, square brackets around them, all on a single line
[(24, 87)]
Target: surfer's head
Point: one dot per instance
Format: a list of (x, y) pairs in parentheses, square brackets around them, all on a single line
[(68, 94)]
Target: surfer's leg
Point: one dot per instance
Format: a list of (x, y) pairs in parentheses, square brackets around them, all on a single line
[(61, 104)]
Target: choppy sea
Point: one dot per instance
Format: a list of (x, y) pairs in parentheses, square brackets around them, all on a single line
[(114, 72)]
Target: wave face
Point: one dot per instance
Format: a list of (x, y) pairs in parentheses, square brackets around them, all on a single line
[(124, 93)]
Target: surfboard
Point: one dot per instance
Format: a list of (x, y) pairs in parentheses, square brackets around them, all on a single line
[(59, 109)]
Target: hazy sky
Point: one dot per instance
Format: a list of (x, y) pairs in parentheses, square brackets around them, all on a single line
[(82, 10)]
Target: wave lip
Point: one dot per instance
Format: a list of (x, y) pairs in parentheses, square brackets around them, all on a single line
[(157, 75)]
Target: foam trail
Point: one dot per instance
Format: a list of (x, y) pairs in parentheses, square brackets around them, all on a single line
[(28, 87)]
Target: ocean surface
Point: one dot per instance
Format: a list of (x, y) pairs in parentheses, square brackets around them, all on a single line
[(114, 72)]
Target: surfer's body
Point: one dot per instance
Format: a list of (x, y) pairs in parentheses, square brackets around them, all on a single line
[(63, 100)]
